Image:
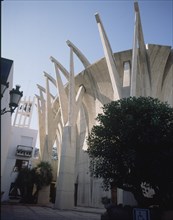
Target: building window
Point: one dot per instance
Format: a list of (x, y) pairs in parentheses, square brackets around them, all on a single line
[(126, 77), (20, 164)]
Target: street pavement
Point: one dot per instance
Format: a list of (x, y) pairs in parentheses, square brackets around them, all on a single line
[(35, 212)]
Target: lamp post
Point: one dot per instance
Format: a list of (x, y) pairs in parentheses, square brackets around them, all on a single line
[(15, 96)]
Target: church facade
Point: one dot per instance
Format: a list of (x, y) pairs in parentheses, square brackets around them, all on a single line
[(65, 119)]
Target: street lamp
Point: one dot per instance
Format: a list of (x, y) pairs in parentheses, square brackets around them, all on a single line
[(15, 96)]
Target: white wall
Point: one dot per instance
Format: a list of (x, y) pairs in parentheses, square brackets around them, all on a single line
[(16, 139)]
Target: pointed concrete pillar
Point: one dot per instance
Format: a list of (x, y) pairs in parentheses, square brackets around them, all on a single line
[(66, 170), (47, 139), (71, 94), (65, 181), (134, 58), (144, 65), (40, 122), (115, 79), (41, 109)]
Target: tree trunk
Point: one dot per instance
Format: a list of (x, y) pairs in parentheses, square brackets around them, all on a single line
[(114, 195)]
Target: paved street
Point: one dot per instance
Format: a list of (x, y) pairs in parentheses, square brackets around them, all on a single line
[(30, 212)]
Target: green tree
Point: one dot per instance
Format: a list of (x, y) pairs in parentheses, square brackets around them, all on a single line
[(43, 174), (132, 148)]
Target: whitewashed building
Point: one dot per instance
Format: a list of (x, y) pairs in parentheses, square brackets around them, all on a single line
[(18, 141)]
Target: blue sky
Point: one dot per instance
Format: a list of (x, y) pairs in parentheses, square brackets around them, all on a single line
[(32, 31)]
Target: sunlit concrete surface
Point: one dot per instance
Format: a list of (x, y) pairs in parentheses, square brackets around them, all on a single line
[(67, 118)]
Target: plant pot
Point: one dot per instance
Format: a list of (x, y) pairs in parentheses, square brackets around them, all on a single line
[(44, 195)]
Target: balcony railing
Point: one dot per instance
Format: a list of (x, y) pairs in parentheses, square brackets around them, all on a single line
[(24, 151)]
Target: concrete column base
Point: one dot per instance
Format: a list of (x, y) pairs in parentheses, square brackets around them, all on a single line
[(44, 195)]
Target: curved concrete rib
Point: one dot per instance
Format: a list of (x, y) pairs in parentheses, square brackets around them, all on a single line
[(114, 76), (38, 105), (55, 101), (41, 98), (50, 78), (39, 119), (41, 88), (71, 95), (37, 96), (48, 100), (79, 98), (58, 116), (79, 54), (63, 100), (61, 67), (44, 90), (50, 123)]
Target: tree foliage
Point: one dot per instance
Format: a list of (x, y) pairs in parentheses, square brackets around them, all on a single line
[(41, 176), (25, 182), (132, 148)]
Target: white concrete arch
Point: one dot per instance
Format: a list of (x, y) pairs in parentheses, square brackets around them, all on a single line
[(50, 78), (61, 67), (43, 90), (79, 54)]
